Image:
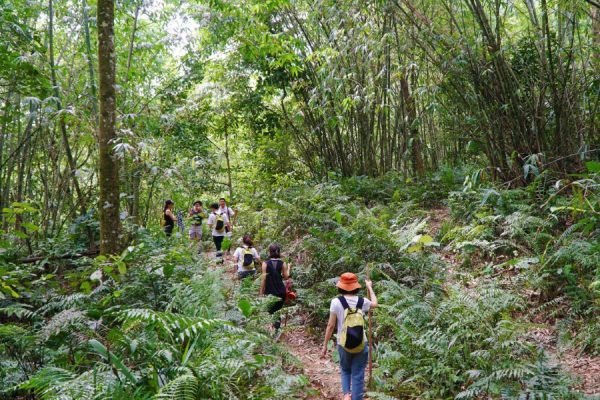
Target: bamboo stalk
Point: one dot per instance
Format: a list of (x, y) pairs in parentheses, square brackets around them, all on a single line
[(368, 273)]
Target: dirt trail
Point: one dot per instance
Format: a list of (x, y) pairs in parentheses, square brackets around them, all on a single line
[(322, 373)]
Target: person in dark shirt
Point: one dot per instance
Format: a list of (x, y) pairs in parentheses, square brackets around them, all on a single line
[(169, 217), (274, 271)]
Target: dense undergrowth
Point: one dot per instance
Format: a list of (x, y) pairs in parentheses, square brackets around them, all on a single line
[(158, 322), (155, 323), (461, 330)]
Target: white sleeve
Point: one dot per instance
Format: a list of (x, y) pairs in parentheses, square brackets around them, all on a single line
[(366, 305), (333, 306), (211, 219), (255, 253), (236, 254)]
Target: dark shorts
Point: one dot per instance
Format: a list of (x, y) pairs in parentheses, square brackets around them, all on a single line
[(245, 274), (169, 229)]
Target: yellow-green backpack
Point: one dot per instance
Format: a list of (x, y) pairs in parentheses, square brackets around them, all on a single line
[(353, 337)]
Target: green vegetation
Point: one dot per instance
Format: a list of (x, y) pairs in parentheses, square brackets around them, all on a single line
[(447, 149)]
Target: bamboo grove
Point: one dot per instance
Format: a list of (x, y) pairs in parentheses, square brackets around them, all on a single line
[(357, 87)]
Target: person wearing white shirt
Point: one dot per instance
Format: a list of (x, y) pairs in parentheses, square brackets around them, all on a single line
[(245, 257), (352, 365), (224, 209), (217, 223)]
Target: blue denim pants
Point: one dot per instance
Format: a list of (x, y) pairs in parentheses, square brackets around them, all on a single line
[(352, 368)]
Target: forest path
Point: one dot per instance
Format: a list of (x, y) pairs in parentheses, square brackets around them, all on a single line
[(322, 373)]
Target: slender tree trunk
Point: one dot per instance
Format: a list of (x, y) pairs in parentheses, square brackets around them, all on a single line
[(411, 116), (132, 170), (110, 226), (227, 159), (596, 34), (90, 64), (63, 126)]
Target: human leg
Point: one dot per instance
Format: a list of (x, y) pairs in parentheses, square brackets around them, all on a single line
[(245, 274), (218, 242), (359, 364), (345, 370), (273, 309), (196, 237)]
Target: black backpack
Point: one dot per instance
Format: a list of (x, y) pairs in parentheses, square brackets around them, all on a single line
[(220, 223), (248, 261)]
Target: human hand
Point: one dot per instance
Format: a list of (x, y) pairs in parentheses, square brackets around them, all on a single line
[(369, 284), (324, 352)]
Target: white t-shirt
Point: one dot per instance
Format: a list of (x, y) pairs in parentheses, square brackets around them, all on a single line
[(212, 221), (238, 256), (226, 210), (337, 308)]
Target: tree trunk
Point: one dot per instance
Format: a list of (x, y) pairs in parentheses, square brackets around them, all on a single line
[(63, 126), (411, 116), (110, 226), (90, 64), (227, 159)]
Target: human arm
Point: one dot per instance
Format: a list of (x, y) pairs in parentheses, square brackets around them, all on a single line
[(372, 295), (231, 214), (285, 271), (256, 255), (170, 214), (329, 332), (236, 258), (263, 279)]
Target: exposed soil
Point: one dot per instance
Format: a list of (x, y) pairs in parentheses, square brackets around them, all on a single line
[(584, 368), (323, 373)]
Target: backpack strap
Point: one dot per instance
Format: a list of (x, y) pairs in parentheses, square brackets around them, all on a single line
[(359, 303), (342, 300)]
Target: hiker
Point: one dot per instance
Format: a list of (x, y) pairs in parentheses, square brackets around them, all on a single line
[(347, 312), (217, 222), (274, 271), (229, 212), (245, 257), (196, 215), (168, 217), (230, 215)]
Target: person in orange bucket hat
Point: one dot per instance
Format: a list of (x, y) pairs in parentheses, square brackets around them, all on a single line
[(347, 312)]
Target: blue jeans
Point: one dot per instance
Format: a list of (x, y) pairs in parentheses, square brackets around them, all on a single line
[(352, 368)]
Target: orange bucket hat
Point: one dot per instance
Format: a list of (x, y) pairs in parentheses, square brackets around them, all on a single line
[(348, 281)]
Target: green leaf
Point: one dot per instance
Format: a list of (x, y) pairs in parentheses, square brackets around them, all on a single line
[(425, 239), (415, 248), (20, 235), (338, 217), (30, 227), (122, 267), (168, 270), (10, 291), (85, 287), (115, 361), (593, 166), (245, 307)]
